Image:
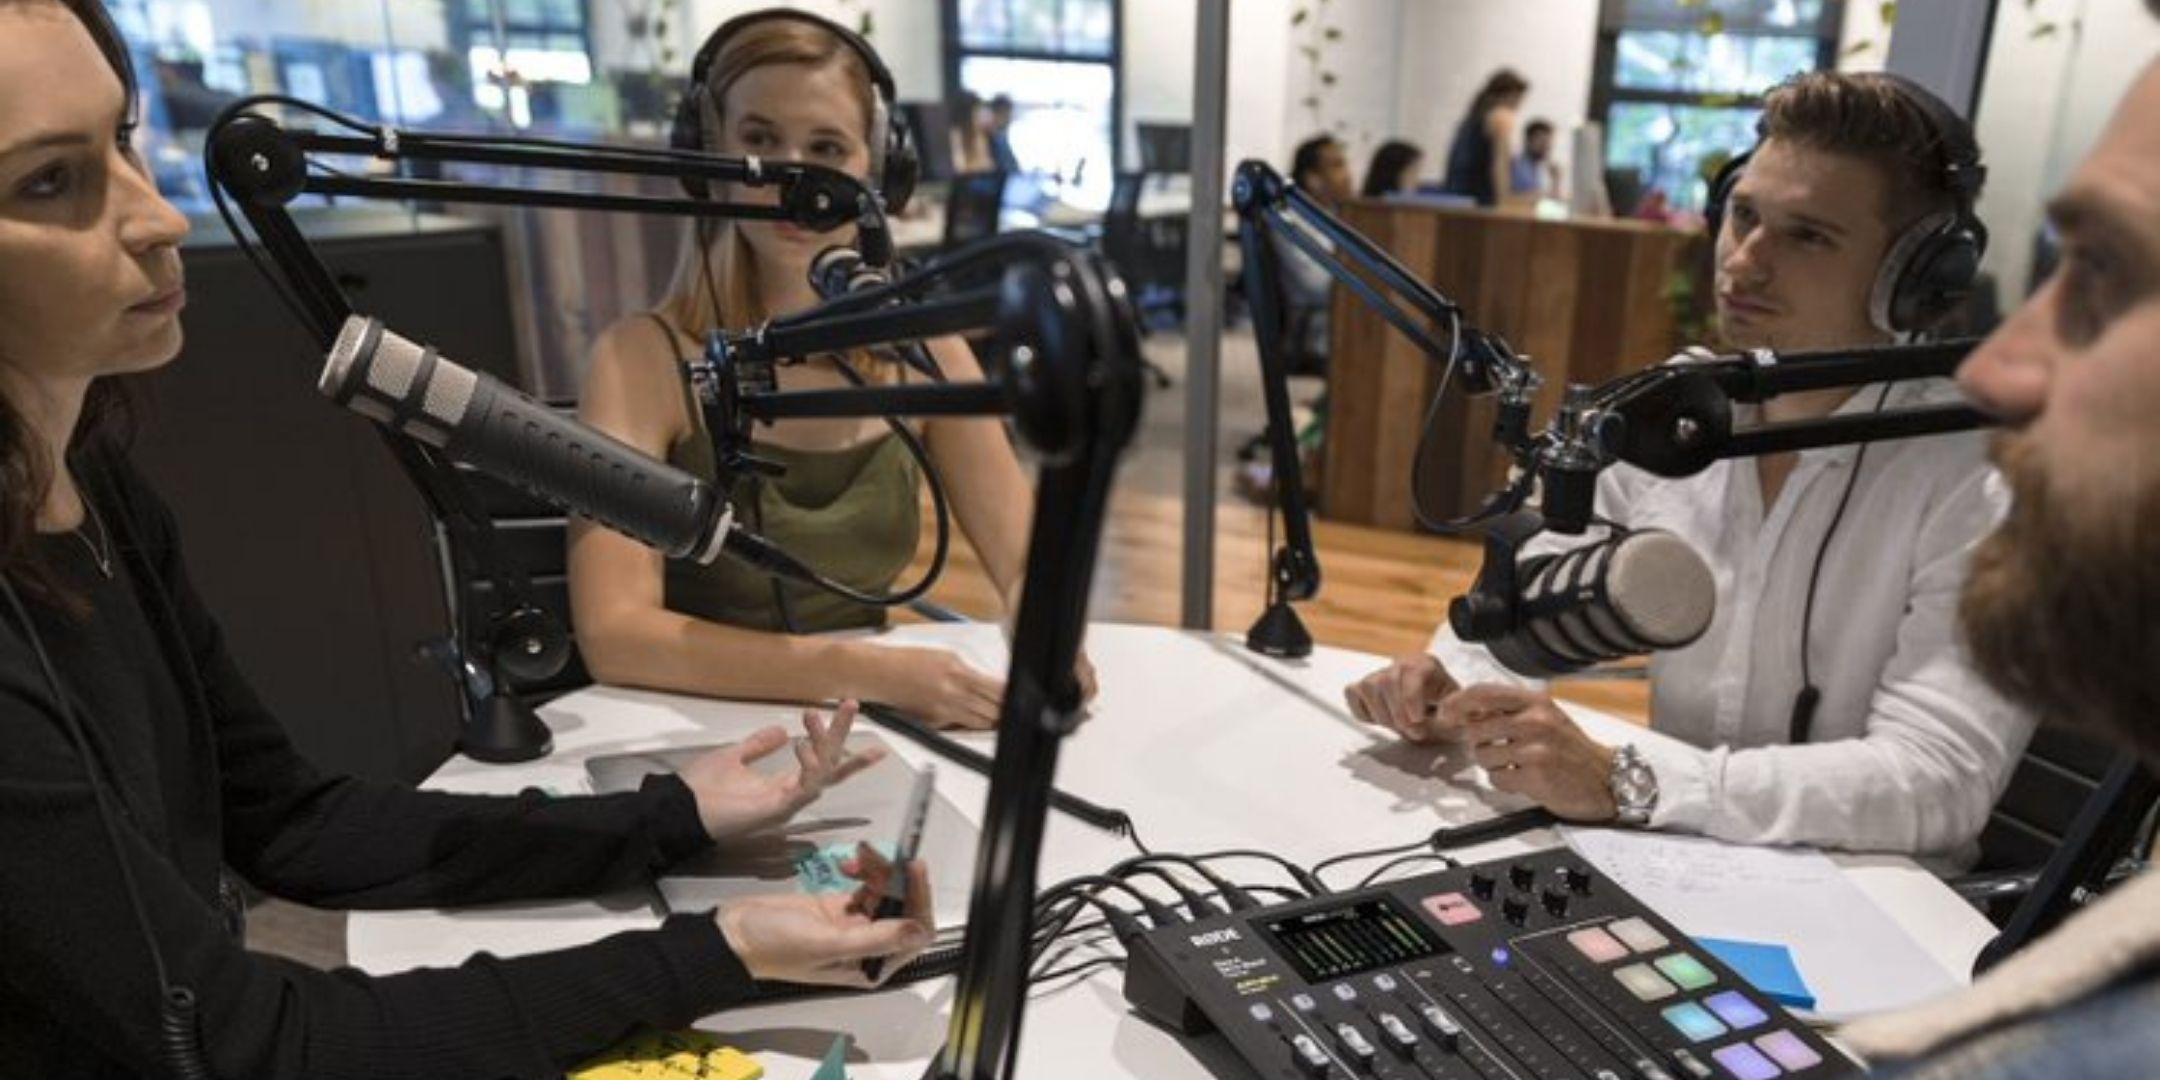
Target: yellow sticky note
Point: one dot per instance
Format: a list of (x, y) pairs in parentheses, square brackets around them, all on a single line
[(670, 1055)]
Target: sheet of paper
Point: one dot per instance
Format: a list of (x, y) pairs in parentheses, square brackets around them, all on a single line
[(1852, 955)]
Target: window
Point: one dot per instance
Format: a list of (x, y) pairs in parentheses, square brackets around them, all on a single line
[(512, 47), (1679, 83), (1058, 62)]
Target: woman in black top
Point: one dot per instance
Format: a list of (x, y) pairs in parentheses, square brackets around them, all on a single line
[(139, 768), (1479, 159)]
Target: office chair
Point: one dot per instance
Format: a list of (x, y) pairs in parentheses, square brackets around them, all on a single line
[(972, 207), (2075, 818)]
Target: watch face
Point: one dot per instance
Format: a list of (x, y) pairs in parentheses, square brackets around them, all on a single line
[(1635, 784)]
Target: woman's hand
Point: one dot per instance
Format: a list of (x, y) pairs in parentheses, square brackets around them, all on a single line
[(936, 685), (825, 939), (734, 799)]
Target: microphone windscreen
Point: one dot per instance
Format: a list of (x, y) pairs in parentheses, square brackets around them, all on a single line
[(1660, 589)]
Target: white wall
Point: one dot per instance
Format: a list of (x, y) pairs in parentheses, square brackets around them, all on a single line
[(1361, 107), (1450, 48), (2043, 104), (1268, 77)]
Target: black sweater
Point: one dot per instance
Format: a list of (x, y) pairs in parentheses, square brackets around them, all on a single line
[(201, 776)]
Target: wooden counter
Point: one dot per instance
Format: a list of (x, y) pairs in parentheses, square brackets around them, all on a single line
[(1583, 300)]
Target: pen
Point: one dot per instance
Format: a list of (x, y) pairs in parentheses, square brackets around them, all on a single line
[(892, 900)]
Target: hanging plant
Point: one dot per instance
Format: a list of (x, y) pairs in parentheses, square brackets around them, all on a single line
[(1320, 36)]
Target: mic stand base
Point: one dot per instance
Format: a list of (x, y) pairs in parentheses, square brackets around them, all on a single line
[(1280, 633), (502, 730)]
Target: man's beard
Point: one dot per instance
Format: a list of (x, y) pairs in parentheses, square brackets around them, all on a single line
[(2062, 608)]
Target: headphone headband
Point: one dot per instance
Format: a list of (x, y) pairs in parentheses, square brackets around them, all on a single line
[(895, 164), (880, 76)]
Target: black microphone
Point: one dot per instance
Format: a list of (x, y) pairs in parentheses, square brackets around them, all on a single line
[(477, 419), (840, 270), (1636, 593)]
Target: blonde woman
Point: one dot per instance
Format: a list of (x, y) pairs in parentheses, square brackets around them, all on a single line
[(786, 85)]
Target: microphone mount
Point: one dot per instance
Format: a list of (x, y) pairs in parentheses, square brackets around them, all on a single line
[(1677, 419), (264, 166), (1271, 210)]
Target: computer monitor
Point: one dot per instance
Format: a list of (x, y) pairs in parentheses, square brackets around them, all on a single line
[(931, 124), (1165, 148)]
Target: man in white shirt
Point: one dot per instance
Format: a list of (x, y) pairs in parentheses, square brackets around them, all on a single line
[(1830, 702)]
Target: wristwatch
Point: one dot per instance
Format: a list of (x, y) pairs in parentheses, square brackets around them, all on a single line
[(1634, 787)]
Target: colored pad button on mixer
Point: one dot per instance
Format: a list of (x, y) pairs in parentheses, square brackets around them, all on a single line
[(1638, 935), (1686, 970), (1645, 984), (1693, 1021), (1453, 909), (1597, 945), (1787, 1049), (1746, 1062), (1736, 1010)]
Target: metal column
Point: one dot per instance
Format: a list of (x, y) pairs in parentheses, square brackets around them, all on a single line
[(1203, 308), (1943, 45)]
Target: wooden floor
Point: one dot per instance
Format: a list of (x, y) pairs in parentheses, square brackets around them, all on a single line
[(1381, 591)]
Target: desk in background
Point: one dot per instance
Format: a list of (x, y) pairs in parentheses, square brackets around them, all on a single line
[(1206, 746), (1584, 300)]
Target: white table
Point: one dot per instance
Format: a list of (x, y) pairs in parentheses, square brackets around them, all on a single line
[(1204, 744)]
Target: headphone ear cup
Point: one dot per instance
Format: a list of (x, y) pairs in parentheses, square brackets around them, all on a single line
[(685, 134), (1927, 273), (1721, 187), (1940, 278), (903, 164)]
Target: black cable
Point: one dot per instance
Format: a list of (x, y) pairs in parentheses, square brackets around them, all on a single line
[(1805, 703), (1077, 969), (1416, 856), (1305, 879), (179, 1037), (1196, 905), (1374, 853)]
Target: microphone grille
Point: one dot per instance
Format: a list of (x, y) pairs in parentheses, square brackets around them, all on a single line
[(396, 365), (1660, 588)]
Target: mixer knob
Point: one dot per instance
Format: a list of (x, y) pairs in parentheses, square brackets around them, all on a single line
[(1556, 902), (1515, 909), (1522, 877), (1481, 885), (1577, 879)]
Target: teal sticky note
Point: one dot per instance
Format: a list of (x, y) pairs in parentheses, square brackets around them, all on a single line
[(834, 1067), (819, 868), (1768, 968)]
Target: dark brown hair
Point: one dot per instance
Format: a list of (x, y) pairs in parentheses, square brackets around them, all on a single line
[(1500, 84), (25, 471), (1870, 117)]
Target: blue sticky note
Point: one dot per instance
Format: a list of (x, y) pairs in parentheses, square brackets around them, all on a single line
[(1768, 968), (834, 1067), (818, 869)]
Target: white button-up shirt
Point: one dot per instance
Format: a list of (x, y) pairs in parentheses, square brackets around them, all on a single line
[(1909, 749)]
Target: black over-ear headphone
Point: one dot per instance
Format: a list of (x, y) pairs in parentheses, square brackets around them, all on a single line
[(1929, 269), (895, 164)]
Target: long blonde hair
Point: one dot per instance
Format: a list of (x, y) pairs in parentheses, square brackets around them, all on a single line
[(731, 300)]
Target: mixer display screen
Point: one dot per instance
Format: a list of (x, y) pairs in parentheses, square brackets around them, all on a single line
[(1335, 942)]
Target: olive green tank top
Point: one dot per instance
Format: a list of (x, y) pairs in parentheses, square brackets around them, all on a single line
[(852, 514)]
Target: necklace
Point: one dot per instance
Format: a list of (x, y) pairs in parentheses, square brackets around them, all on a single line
[(100, 552)]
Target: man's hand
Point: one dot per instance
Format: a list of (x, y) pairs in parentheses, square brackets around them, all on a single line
[(733, 798), (825, 939), (1403, 696), (1529, 747)]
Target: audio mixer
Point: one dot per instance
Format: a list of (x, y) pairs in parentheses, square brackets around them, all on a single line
[(1535, 968)]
